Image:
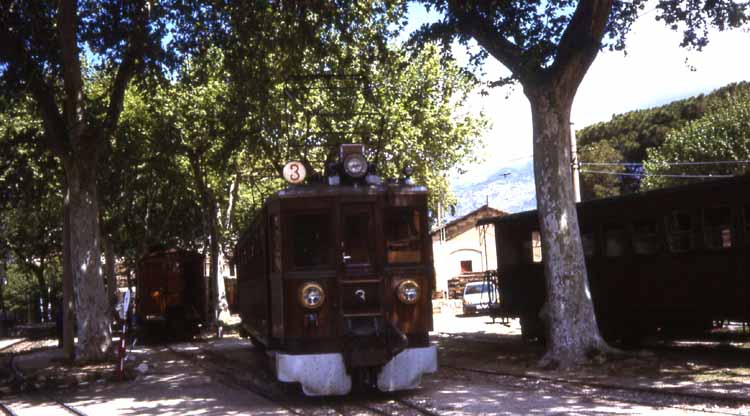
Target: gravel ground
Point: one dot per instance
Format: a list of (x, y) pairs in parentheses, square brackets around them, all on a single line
[(675, 379)]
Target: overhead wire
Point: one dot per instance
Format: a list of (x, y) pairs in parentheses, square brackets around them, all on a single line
[(710, 162), (661, 175)]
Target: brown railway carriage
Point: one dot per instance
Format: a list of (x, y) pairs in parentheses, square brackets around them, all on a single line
[(171, 292), (670, 260), (336, 281)]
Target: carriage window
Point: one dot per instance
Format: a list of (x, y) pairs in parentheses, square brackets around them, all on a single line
[(589, 244), (310, 240), (614, 240), (680, 232), (717, 227), (402, 236), (275, 243), (645, 237), (356, 238), (536, 247)]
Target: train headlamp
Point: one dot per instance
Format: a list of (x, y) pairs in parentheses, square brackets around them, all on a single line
[(355, 165), (408, 292), (312, 295)]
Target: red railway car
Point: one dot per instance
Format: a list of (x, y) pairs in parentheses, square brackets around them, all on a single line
[(335, 280), (171, 292), (669, 260)]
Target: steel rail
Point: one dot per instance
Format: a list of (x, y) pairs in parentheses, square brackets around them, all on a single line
[(666, 392)]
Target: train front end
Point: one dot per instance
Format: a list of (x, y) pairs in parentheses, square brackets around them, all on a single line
[(350, 281)]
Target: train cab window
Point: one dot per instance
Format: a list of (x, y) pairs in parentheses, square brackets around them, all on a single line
[(402, 236), (356, 238), (645, 237), (615, 240), (310, 240), (717, 227), (680, 232), (589, 244)]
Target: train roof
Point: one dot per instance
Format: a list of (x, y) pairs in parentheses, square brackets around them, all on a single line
[(612, 202), (317, 190)]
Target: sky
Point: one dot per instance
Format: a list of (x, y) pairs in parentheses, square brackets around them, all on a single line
[(652, 73)]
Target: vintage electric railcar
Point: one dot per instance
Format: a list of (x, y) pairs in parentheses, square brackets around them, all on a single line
[(670, 260), (171, 293), (335, 280)]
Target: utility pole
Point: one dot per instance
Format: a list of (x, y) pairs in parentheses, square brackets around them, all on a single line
[(574, 163)]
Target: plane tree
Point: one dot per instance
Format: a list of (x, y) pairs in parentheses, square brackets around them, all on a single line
[(41, 57), (548, 47)]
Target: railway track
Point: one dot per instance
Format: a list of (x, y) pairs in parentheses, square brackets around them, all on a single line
[(51, 406), (50, 402), (631, 394), (229, 372)]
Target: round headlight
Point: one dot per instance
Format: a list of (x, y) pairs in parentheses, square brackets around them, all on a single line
[(355, 165), (311, 295), (408, 292)]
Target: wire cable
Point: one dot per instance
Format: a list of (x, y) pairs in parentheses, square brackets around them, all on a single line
[(712, 162), (658, 175)]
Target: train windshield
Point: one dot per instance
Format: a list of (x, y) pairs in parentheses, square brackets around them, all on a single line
[(357, 236), (310, 240), (402, 236)]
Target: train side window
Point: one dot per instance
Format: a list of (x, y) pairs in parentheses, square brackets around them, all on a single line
[(402, 236), (717, 227), (645, 237), (310, 240), (536, 247), (589, 244), (615, 240), (680, 232), (275, 244)]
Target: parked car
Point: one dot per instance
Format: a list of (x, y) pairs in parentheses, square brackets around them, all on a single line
[(478, 296)]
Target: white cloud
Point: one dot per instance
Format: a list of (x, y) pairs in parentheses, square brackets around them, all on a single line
[(652, 73)]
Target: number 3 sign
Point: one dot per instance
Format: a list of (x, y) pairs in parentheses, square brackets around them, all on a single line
[(294, 172)]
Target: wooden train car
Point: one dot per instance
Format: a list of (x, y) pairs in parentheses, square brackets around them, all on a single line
[(675, 259), (335, 278), (171, 292)]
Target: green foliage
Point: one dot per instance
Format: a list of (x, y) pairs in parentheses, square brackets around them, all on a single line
[(595, 185), (634, 134), (723, 134), (22, 294)]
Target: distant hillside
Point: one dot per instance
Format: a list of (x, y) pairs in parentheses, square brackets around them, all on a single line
[(509, 188), (627, 136)]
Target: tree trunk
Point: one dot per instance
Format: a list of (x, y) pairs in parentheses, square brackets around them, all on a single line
[(68, 306), (94, 334), (110, 273), (219, 301), (572, 332), (43, 294)]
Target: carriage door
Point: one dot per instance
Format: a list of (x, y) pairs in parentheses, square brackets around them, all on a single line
[(361, 287)]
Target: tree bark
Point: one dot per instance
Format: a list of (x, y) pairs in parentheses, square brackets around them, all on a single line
[(42, 283), (568, 313), (219, 301), (85, 255), (110, 273), (572, 332), (211, 213), (68, 306)]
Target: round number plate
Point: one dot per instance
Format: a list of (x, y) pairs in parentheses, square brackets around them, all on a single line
[(295, 172)]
